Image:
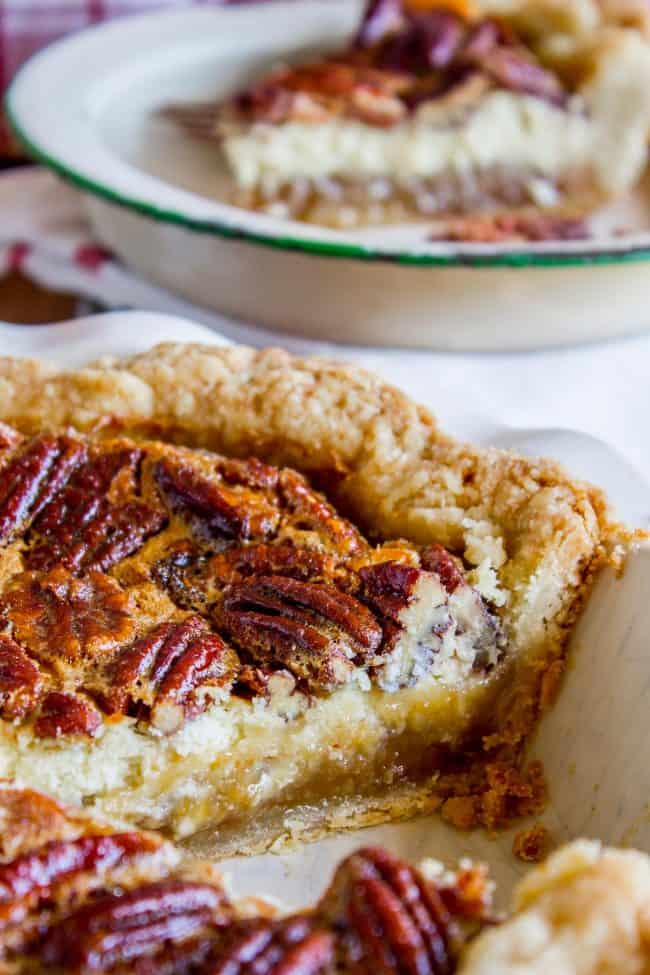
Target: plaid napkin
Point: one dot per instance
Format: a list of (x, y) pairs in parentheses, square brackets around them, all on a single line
[(28, 25)]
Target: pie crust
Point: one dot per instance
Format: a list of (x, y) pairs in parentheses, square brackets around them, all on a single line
[(248, 769)]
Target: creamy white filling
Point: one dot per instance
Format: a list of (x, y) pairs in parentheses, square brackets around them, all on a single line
[(442, 635), (505, 129)]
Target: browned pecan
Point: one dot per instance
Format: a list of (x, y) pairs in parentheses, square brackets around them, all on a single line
[(21, 682), (215, 510), (390, 919), (120, 927), (311, 512), (293, 946), (381, 18), (35, 873), (33, 478), (314, 630), (514, 69), (63, 620), (237, 563), (388, 587), (264, 682), (83, 529), (66, 714), (165, 669), (251, 472), (435, 558)]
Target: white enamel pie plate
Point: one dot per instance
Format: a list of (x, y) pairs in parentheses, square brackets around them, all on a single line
[(593, 742), (86, 107)]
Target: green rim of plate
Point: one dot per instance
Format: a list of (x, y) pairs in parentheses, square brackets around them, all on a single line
[(314, 248)]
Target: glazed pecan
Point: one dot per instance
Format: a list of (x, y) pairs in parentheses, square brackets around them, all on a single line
[(241, 562), (388, 587), (9, 437), (389, 918), (312, 513), (264, 682), (217, 511), (66, 714), (120, 927), (381, 18), (65, 620), (292, 946), (252, 473), (165, 669), (83, 529), (21, 682), (33, 478), (435, 558), (314, 630), (35, 873)]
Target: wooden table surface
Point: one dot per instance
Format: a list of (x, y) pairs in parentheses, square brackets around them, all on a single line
[(24, 302)]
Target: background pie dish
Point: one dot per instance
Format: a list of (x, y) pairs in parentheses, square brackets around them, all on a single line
[(82, 895), (525, 543)]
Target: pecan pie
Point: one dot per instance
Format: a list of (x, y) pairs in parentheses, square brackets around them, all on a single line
[(81, 896), (436, 110), (258, 596)]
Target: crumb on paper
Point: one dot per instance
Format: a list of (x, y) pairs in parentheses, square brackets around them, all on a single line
[(532, 845)]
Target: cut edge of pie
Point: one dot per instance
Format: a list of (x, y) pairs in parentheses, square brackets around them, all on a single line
[(84, 895), (435, 110), (521, 533)]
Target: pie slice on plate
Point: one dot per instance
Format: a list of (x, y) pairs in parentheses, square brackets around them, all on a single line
[(436, 110), (258, 595), (82, 896)]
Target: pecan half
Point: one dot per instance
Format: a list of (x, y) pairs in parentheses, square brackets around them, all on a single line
[(33, 478), (389, 918), (311, 512), (165, 669), (84, 530), (21, 682), (381, 18), (435, 558), (216, 510), (64, 620), (293, 946), (66, 714), (264, 682), (121, 927), (251, 472), (314, 630), (36, 872)]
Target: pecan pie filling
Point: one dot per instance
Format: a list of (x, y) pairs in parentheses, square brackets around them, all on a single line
[(251, 571), (192, 625)]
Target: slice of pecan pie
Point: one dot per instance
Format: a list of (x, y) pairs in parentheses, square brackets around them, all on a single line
[(433, 111), (82, 896), (200, 640)]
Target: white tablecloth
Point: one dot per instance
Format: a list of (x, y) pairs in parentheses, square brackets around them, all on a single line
[(600, 389)]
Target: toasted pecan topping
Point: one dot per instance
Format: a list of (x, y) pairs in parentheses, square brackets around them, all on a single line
[(435, 558), (21, 681), (65, 620), (391, 920), (252, 473), (66, 714), (34, 874), (81, 526), (165, 669), (33, 478), (315, 631), (311, 512), (292, 946), (119, 928), (218, 510)]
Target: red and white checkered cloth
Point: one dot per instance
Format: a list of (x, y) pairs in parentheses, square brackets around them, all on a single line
[(28, 25)]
